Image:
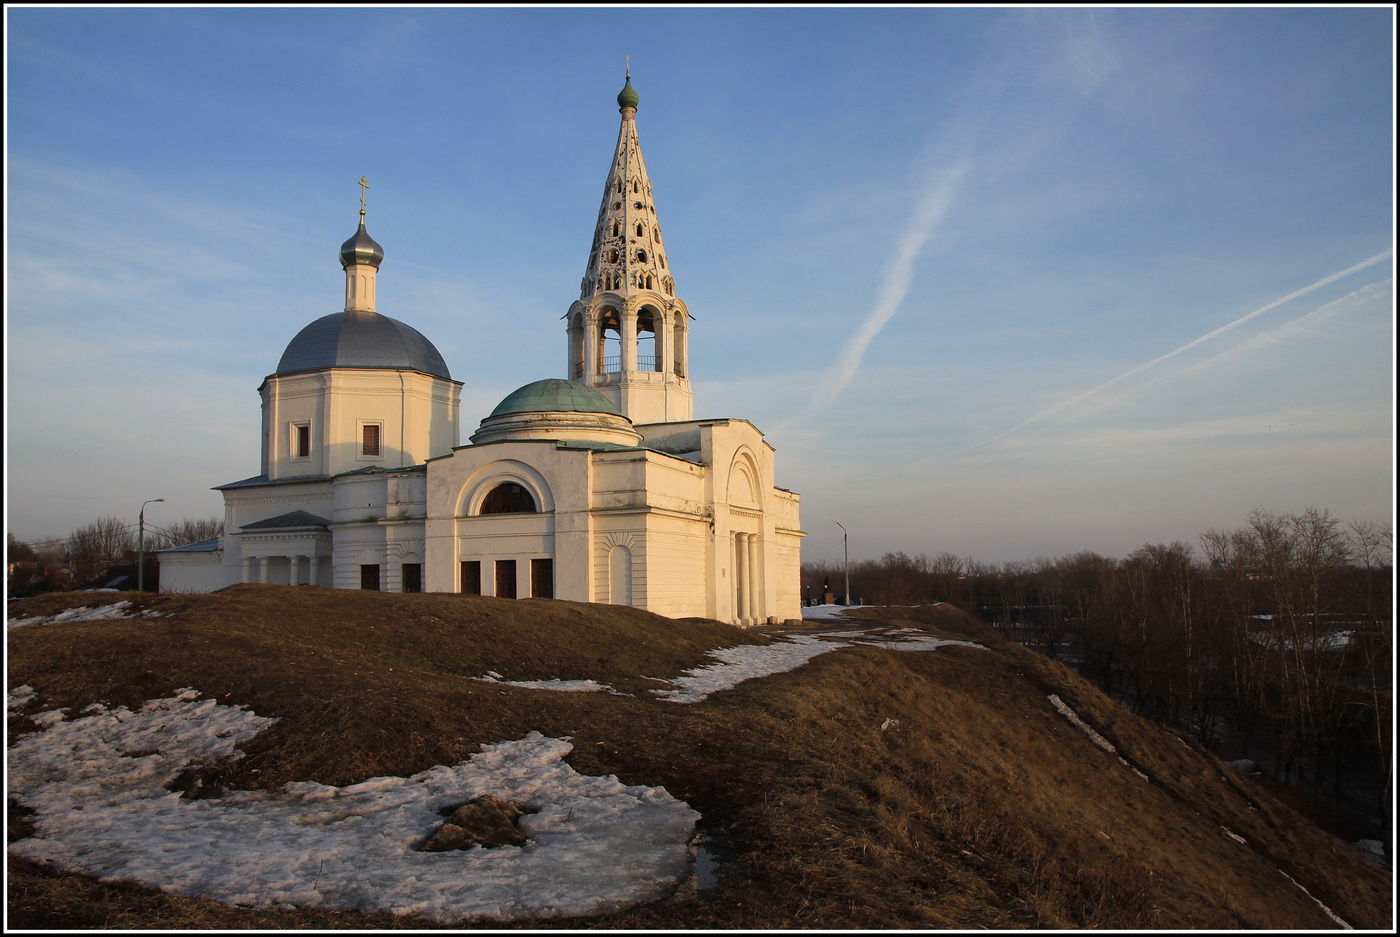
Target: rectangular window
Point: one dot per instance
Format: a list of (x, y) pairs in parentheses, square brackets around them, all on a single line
[(413, 577), (369, 439), (301, 440), (369, 577), (505, 579), (471, 577), (542, 578)]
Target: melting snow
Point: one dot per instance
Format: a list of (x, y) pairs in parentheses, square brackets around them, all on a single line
[(565, 686), (737, 664), (96, 785), (120, 609), (1088, 730)]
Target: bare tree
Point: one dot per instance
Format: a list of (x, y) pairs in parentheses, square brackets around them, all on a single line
[(182, 532), (88, 549)]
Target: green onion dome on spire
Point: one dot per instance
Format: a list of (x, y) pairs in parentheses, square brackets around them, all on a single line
[(627, 97)]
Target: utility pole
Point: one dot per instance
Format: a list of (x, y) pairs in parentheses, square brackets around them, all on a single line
[(141, 545), (845, 549)]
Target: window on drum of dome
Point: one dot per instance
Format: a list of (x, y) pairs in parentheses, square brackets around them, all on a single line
[(301, 440), (369, 440)]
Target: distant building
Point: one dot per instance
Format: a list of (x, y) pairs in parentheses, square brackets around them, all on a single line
[(601, 487)]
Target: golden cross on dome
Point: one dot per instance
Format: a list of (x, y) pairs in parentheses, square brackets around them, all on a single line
[(364, 184), (628, 58)]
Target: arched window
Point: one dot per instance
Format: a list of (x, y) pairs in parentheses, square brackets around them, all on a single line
[(635, 188), (508, 498), (641, 230), (678, 341), (648, 346), (617, 229), (620, 576), (642, 256), (609, 348), (612, 257)]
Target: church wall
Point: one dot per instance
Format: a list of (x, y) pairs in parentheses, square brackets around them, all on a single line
[(559, 480), (417, 415), (192, 572)]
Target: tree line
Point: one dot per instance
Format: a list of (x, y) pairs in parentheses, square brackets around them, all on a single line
[(1280, 630), (90, 551)]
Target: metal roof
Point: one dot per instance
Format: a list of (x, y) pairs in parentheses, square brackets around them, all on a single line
[(554, 395), (355, 339), (204, 546)]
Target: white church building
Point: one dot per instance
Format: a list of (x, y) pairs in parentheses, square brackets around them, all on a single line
[(601, 487)]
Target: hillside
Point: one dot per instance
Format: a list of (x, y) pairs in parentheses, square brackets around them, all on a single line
[(868, 787)]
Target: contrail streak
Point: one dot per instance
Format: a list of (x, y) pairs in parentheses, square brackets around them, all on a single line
[(927, 215), (1192, 344)]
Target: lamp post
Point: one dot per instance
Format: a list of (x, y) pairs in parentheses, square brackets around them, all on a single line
[(845, 549), (141, 545)]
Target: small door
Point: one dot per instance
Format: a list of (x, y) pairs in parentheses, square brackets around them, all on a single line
[(471, 577), (542, 578), (369, 577), (505, 579)]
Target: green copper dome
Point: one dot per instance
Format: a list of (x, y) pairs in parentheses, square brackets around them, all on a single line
[(555, 395), (627, 97)]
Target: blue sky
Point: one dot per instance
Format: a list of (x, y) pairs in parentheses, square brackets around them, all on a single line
[(1002, 282)]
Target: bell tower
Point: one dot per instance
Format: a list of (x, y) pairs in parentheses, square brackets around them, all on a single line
[(628, 330)]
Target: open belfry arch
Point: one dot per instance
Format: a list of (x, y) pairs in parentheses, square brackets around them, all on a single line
[(598, 487)]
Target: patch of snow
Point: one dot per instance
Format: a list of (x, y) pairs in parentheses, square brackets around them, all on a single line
[(1324, 907), (745, 662), (1244, 766), (1233, 835), (1088, 730), (564, 686), (116, 610), (17, 697), (96, 786), (825, 612), (1372, 849)]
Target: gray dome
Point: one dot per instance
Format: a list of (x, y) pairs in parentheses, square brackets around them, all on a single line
[(554, 395), (361, 249), (361, 340)]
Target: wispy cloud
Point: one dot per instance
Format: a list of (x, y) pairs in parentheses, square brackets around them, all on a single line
[(1087, 395), (928, 213)]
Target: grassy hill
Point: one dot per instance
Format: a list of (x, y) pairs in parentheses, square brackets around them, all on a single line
[(868, 788)]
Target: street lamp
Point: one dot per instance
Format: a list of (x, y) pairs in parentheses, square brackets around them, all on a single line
[(846, 550), (141, 545)]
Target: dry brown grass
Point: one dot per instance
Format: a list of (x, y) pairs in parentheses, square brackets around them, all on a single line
[(984, 807)]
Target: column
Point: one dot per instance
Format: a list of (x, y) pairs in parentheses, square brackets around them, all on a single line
[(263, 563), (592, 359), (294, 571), (247, 568), (313, 572), (741, 579), (756, 602), (629, 337)]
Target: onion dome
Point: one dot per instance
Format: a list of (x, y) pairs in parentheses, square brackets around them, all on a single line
[(358, 339), (627, 97), (361, 249), (555, 395)]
